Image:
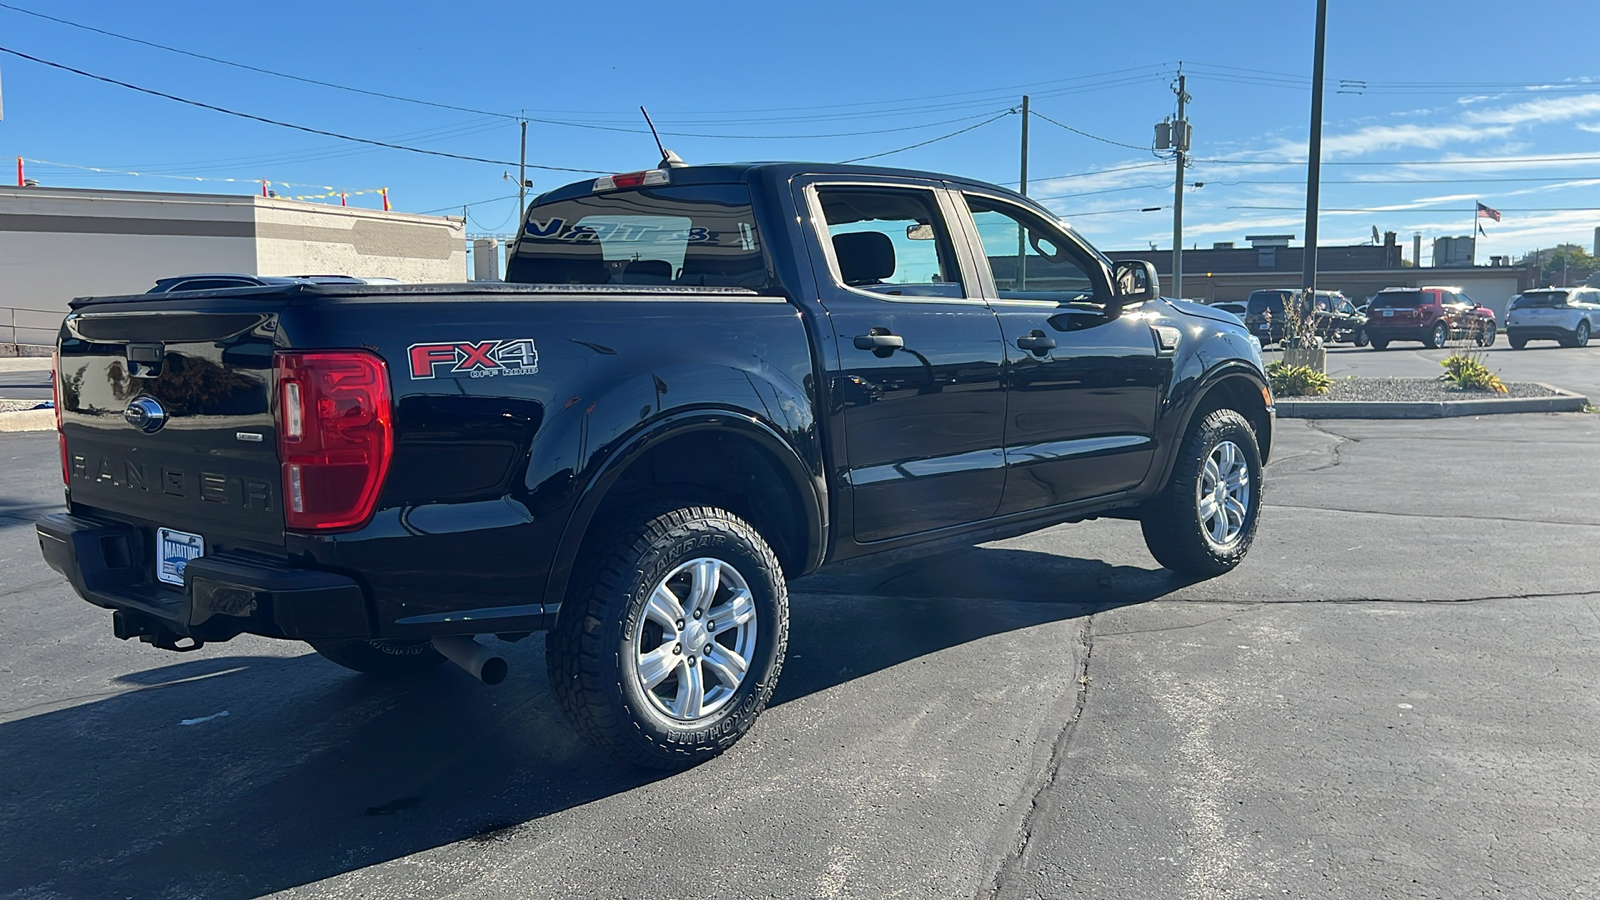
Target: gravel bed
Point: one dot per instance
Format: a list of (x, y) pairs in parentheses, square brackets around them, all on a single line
[(1426, 390), (19, 405)]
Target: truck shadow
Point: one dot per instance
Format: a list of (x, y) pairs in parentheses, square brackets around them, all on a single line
[(236, 776)]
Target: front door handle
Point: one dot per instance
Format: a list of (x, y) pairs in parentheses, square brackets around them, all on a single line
[(879, 339), (1036, 342)]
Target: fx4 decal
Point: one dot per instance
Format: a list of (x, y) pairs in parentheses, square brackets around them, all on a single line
[(481, 359)]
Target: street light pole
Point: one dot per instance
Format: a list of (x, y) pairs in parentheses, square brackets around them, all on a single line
[(1308, 274)]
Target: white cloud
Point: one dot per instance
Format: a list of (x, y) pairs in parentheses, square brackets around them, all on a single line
[(1591, 127), (1543, 110)]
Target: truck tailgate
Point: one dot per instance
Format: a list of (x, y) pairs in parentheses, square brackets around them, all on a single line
[(168, 422)]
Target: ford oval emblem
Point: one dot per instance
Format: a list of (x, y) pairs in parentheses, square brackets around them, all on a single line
[(145, 414)]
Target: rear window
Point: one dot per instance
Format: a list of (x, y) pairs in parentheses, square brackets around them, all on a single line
[(1260, 301), (1400, 299), (1540, 300), (694, 236)]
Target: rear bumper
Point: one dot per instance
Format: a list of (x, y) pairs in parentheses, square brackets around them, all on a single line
[(1380, 330), (222, 596)]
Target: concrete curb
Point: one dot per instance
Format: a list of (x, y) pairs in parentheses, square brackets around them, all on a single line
[(1564, 401), (28, 420)]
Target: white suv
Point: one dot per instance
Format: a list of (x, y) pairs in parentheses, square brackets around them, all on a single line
[(1567, 316)]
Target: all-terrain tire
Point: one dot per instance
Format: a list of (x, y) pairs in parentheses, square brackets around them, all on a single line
[(592, 656), (1175, 530), (390, 659)]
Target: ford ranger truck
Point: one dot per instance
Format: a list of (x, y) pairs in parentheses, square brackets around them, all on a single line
[(695, 384)]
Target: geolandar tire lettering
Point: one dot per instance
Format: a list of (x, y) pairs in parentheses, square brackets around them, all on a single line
[(1203, 522), (669, 646)]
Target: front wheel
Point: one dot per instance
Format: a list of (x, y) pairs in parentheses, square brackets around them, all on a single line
[(1360, 338), (1203, 522), (671, 642), (390, 659)]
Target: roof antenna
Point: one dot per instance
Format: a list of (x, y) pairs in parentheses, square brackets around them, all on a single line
[(669, 160)]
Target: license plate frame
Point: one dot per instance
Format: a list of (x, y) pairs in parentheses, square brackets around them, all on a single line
[(174, 550)]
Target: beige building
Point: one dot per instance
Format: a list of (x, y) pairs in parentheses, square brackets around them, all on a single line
[(60, 243)]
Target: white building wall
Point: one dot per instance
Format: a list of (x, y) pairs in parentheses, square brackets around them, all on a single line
[(299, 238), (61, 243)]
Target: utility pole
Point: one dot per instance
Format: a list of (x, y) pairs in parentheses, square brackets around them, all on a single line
[(1022, 247), (1180, 143), (1308, 274), (522, 173)]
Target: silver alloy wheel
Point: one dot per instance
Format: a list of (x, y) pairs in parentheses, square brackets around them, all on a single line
[(1222, 493), (693, 644), (1581, 336)]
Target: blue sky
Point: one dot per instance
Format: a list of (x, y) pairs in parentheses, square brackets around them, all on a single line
[(1413, 91)]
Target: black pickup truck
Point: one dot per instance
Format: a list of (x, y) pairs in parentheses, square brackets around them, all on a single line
[(697, 382)]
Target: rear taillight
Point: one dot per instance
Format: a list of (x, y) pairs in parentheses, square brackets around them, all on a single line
[(335, 437), (55, 395)]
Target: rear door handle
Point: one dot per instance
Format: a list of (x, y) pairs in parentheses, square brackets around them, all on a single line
[(1036, 342), (879, 339)]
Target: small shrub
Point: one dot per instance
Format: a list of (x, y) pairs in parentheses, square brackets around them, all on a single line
[(1466, 371), (1297, 381)]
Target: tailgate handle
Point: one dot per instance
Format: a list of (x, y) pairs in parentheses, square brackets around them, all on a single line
[(146, 353)]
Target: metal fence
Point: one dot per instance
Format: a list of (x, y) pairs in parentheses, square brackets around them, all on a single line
[(29, 326)]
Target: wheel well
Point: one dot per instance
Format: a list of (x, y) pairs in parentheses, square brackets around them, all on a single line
[(1241, 394), (717, 469)]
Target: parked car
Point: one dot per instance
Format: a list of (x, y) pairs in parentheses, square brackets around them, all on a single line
[(1333, 317), (1432, 316), (216, 281), (1567, 316), (1232, 306), (695, 384)]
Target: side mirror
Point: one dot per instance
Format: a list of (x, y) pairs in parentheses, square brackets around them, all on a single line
[(1134, 281)]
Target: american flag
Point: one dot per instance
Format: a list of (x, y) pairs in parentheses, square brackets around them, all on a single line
[(1485, 212)]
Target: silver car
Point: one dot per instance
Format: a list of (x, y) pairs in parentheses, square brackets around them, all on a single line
[(1567, 316)]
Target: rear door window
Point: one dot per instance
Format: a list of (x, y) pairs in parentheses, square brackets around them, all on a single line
[(890, 242), (1261, 301), (691, 235)]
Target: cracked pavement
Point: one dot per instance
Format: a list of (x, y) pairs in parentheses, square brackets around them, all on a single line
[(1394, 696)]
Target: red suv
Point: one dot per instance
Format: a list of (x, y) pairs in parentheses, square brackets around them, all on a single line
[(1432, 315)]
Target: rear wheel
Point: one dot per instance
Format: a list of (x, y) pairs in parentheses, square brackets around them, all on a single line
[(671, 643), (1204, 521), (1516, 342), (391, 659), (1439, 336), (1486, 335), (1380, 343)]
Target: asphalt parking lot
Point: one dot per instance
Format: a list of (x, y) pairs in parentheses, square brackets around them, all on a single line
[(1395, 696), (1576, 369)]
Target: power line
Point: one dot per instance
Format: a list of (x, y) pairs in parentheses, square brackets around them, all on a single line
[(250, 68), (1096, 172), (1087, 134), (455, 206), (932, 140), (1144, 70), (1481, 160), (1430, 209), (281, 124)]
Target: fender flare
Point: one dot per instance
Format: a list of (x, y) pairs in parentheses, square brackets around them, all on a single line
[(1209, 382), (808, 486)]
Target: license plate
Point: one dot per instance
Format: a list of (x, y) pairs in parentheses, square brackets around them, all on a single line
[(1388, 312), (174, 549), (1264, 327)]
